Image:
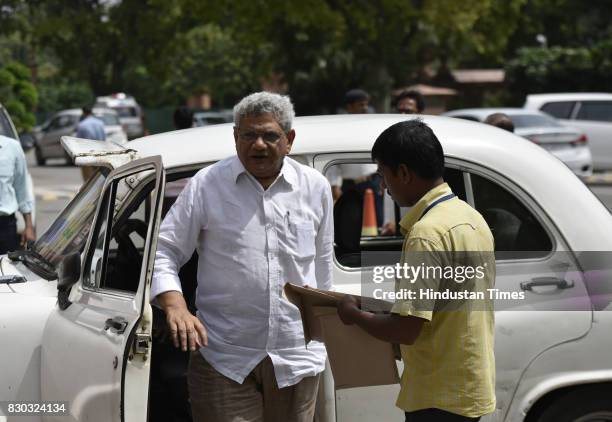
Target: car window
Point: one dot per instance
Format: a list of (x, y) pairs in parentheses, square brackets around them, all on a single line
[(6, 129), (355, 234), (109, 119), (126, 111), (68, 233), (55, 123), (559, 109), (120, 236), (533, 120), (600, 111), (517, 232)]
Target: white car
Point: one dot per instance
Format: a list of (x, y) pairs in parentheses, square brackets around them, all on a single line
[(130, 113), (85, 340), (589, 112), (564, 142)]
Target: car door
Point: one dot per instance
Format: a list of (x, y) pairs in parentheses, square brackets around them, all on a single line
[(95, 351), (58, 126), (532, 259)]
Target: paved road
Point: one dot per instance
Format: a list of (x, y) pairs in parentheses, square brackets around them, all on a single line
[(56, 183)]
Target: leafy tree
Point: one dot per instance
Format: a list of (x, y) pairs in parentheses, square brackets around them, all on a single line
[(18, 94)]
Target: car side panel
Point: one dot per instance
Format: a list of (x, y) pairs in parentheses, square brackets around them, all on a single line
[(599, 136)]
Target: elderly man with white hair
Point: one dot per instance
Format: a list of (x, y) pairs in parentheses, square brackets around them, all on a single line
[(258, 220)]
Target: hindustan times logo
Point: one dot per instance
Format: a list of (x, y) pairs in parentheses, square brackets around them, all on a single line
[(411, 273)]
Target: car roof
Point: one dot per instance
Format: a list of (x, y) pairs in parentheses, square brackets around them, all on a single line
[(527, 165), (483, 113), (78, 111), (568, 96)]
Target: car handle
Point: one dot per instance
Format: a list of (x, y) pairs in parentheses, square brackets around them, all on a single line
[(547, 281), (115, 325)]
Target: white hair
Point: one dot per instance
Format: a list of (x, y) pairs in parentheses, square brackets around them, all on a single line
[(266, 102)]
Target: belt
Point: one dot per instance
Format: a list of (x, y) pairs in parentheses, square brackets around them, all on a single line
[(6, 219)]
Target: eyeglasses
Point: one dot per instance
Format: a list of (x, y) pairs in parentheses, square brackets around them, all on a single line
[(267, 137)]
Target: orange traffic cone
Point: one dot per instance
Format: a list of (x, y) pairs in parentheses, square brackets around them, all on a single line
[(368, 224)]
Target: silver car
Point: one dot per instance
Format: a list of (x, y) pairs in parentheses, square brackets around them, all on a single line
[(564, 142), (590, 112), (65, 123)]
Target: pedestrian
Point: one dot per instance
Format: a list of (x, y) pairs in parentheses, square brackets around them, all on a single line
[(500, 120), (356, 101), (409, 102), (182, 118), (15, 196), (258, 219), (90, 127), (446, 346)]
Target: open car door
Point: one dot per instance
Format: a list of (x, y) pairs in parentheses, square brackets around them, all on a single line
[(96, 345), (87, 152)]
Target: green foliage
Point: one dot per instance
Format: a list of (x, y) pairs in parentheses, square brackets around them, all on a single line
[(540, 69), (18, 95)]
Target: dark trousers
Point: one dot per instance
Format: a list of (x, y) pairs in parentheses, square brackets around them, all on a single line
[(8, 234), (436, 415)]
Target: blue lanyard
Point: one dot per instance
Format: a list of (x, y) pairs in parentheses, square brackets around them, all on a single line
[(436, 202)]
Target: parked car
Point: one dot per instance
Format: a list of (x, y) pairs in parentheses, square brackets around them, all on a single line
[(86, 339), (130, 113), (205, 118), (7, 128), (566, 143), (588, 112), (65, 123)]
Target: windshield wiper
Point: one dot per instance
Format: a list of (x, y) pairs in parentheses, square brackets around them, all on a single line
[(35, 262)]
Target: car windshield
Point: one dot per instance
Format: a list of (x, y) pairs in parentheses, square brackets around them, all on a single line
[(109, 119), (5, 126), (68, 233), (533, 120), (126, 111)]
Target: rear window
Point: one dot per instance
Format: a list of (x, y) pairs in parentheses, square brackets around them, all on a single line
[(109, 119), (600, 111), (126, 111), (560, 109), (533, 120)]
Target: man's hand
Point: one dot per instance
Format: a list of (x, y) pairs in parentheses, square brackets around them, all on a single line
[(28, 233), (348, 309), (185, 328)]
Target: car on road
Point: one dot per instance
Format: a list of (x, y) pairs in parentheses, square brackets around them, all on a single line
[(78, 330), (566, 143), (589, 112), (130, 113), (205, 118), (64, 123)]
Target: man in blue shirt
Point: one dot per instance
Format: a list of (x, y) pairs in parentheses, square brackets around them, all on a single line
[(14, 195), (90, 127)]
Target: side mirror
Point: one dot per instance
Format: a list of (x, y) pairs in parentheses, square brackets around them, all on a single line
[(69, 273)]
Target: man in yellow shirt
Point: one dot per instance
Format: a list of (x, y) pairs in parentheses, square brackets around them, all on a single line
[(446, 340)]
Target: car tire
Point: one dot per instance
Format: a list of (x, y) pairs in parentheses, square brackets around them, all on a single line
[(40, 159), (585, 405)]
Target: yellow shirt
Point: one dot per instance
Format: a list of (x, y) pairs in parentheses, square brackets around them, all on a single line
[(451, 365)]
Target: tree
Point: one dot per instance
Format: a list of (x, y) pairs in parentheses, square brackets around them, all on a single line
[(19, 95)]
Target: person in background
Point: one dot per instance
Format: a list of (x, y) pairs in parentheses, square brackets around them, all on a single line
[(182, 118), (90, 127), (446, 345), (409, 102), (356, 101), (258, 219), (14, 195), (500, 120)]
